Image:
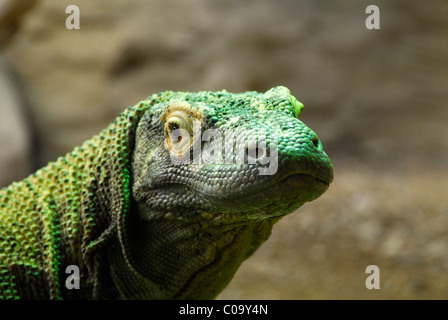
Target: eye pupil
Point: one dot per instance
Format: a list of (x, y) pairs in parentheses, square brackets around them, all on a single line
[(173, 126), (176, 137)]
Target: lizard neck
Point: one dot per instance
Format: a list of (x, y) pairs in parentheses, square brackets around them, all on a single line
[(174, 259)]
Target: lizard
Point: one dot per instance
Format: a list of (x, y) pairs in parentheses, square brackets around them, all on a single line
[(142, 215)]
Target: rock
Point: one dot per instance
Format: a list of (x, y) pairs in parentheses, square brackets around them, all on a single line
[(377, 98), (15, 139), (356, 84)]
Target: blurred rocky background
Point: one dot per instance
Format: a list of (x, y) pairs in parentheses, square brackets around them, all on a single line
[(377, 98)]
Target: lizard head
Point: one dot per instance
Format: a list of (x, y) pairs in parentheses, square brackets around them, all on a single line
[(232, 157), (211, 173)]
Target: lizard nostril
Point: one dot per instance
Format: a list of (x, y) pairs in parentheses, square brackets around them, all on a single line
[(316, 143), (259, 153), (255, 152)]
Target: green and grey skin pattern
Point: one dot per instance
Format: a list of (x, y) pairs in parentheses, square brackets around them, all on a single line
[(140, 225)]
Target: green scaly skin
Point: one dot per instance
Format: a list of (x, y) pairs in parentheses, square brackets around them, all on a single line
[(140, 225)]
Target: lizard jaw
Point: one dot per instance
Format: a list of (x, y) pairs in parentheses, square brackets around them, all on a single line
[(277, 199)]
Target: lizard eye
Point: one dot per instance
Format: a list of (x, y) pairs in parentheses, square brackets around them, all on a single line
[(181, 128), (178, 133), (174, 132)]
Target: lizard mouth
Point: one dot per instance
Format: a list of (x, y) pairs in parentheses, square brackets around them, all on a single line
[(277, 198), (288, 180), (266, 196)]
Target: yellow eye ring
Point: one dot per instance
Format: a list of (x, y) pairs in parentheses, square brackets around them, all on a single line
[(182, 127)]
